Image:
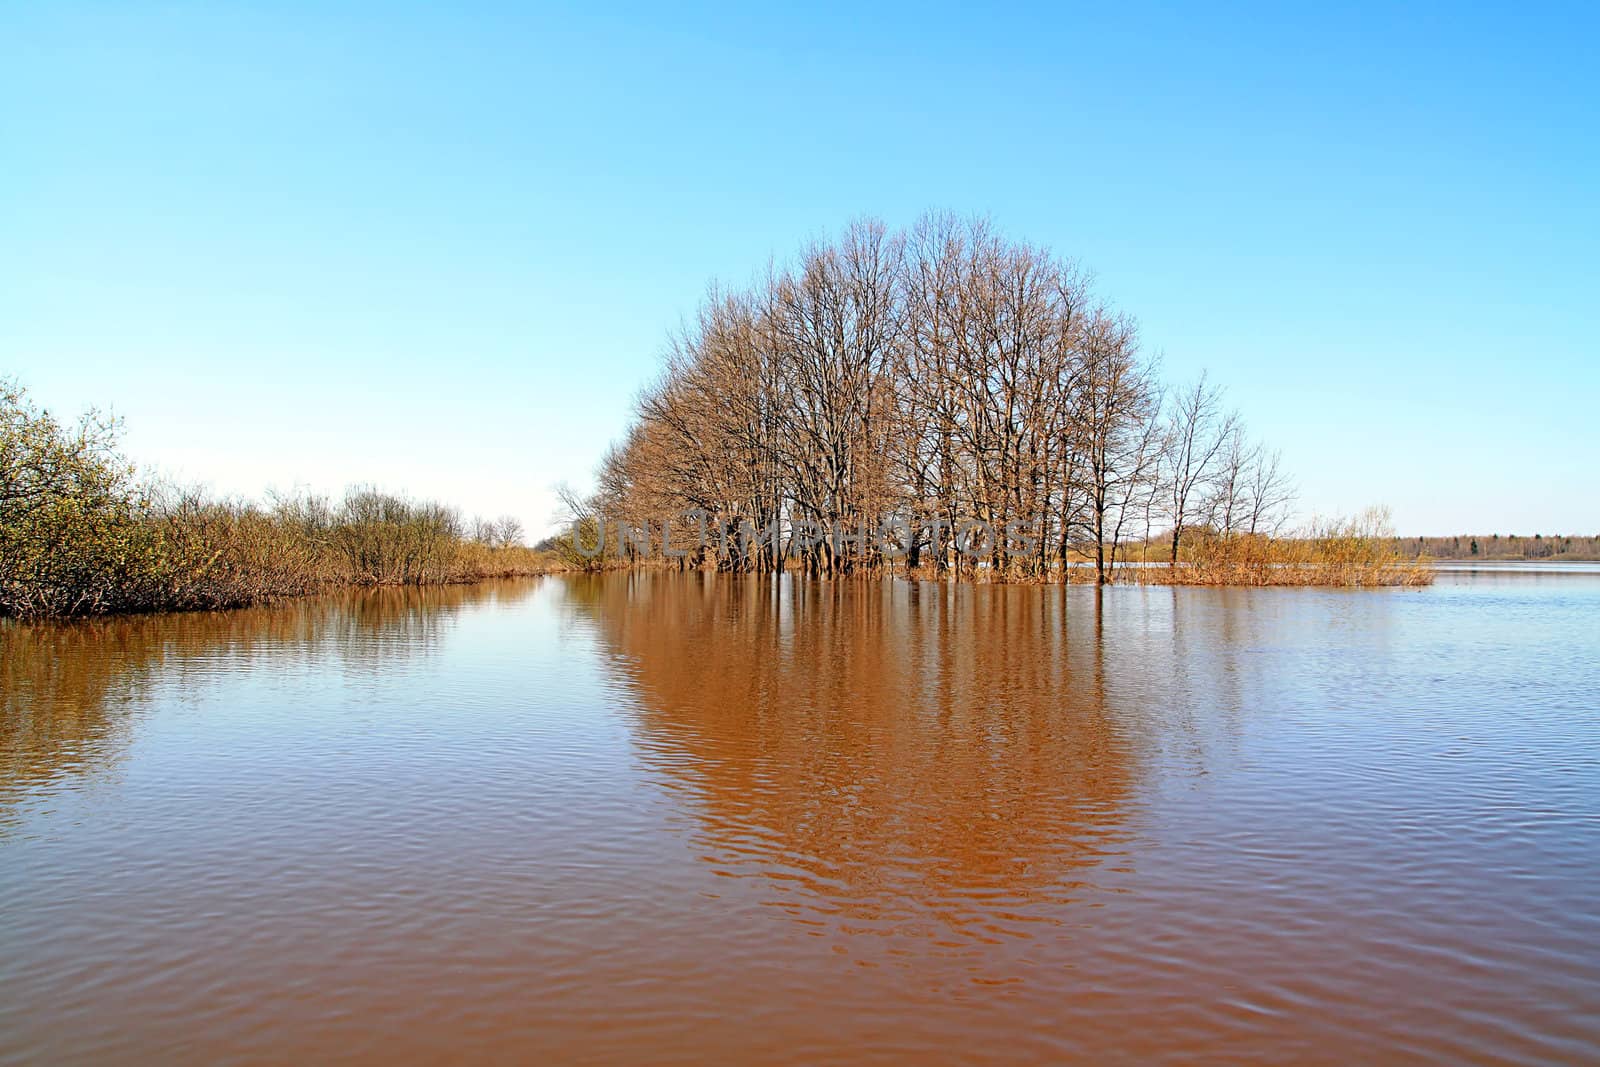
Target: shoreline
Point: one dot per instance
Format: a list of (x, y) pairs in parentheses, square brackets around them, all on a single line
[(1136, 574), (337, 589)]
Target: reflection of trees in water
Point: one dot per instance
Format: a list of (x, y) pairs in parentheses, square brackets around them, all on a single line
[(894, 752), (67, 690)]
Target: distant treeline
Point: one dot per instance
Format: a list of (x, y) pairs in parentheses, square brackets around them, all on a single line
[(80, 534), (946, 371), (1503, 546)]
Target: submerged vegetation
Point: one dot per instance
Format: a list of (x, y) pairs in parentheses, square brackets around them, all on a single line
[(946, 372), (1350, 552), (80, 534)]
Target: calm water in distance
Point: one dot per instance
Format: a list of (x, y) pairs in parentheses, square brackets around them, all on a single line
[(691, 819)]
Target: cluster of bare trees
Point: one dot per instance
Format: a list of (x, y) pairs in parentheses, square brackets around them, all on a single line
[(928, 381), (504, 532)]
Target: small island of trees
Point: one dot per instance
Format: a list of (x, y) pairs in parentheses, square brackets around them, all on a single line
[(948, 372)]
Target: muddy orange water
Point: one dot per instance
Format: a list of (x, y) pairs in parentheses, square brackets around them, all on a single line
[(691, 819)]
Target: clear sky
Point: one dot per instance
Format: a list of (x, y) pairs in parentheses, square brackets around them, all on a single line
[(437, 246)]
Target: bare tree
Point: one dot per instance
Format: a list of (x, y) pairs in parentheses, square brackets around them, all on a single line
[(1271, 492), (1116, 403), (1197, 436), (507, 531)]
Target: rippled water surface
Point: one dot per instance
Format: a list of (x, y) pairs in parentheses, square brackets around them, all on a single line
[(691, 819)]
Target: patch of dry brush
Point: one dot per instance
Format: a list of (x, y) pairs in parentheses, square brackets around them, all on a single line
[(1348, 552), (80, 536)]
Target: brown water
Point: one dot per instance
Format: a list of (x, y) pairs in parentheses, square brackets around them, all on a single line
[(686, 819)]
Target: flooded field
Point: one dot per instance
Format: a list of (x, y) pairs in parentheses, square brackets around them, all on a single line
[(694, 819)]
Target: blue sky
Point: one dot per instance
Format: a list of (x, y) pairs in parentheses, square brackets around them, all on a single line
[(438, 247)]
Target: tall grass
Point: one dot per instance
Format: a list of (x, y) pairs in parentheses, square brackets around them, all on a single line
[(1360, 551)]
